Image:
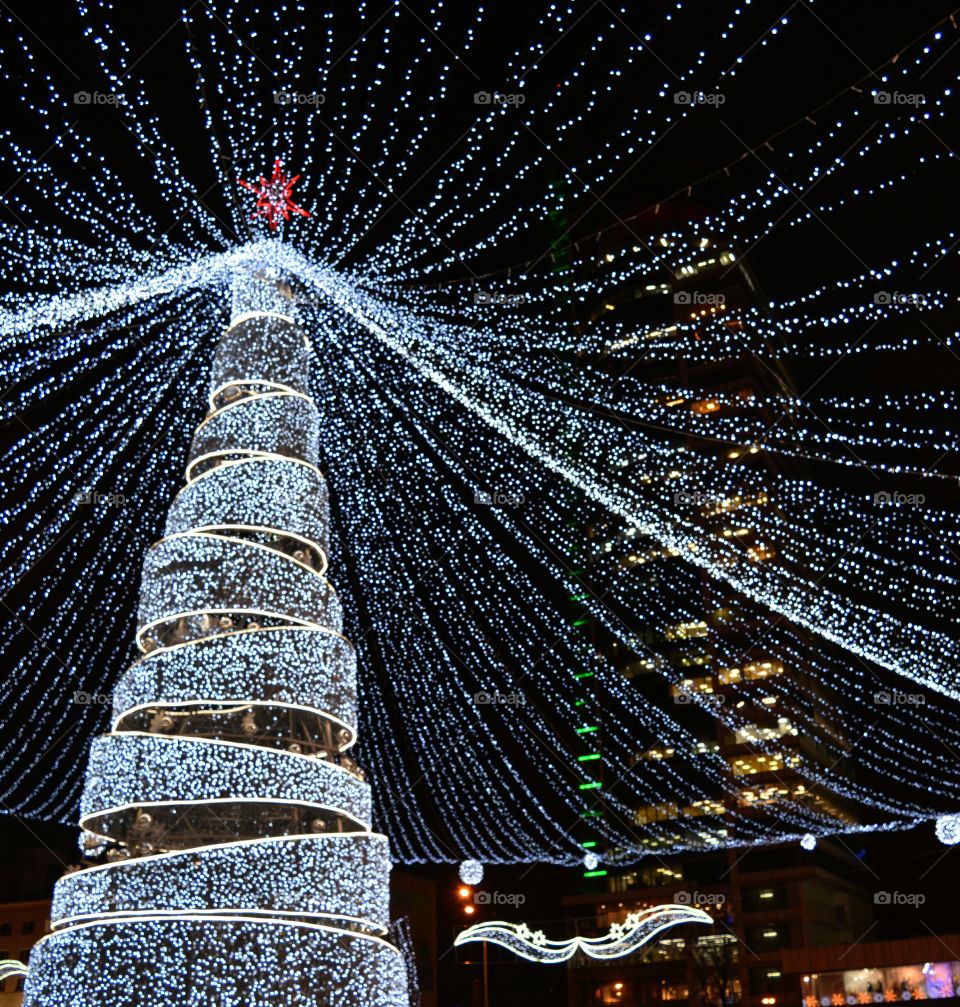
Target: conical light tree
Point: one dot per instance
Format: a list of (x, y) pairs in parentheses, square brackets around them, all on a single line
[(238, 865)]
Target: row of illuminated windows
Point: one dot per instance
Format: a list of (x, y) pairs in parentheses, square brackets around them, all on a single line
[(753, 671), (667, 752), (664, 812), (929, 981), (749, 765), (686, 631), (750, 797)]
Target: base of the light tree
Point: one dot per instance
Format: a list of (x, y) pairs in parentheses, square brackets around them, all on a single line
[(227, 963)]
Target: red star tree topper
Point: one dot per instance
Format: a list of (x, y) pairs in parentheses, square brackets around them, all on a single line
[(273, 196)]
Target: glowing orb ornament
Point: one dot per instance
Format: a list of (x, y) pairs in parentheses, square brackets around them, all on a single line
[(809, 841), (471, 872), (590, 861), (948, 829)]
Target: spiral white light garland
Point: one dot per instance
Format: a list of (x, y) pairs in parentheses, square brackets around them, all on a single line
[(180, 906)]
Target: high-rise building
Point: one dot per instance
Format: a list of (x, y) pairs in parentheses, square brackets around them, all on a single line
[(700, 650), (720, 650), (227, 829)]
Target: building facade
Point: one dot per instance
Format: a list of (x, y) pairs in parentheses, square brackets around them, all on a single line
[(768, 904), (22, 924)]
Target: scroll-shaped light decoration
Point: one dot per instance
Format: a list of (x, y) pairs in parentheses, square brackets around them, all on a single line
[(947, 829), (11, 967), (637, 930)]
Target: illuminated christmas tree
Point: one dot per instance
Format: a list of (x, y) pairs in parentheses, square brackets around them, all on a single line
[(229, 828)]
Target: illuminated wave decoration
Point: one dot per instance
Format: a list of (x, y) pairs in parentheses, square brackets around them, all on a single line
[(638, 930), (11, 967), (226, 827)]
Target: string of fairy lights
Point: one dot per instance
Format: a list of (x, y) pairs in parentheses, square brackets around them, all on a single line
[(666, 601), (446, 400)]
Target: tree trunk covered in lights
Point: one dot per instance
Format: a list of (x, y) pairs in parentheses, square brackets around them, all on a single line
[(228, 829)]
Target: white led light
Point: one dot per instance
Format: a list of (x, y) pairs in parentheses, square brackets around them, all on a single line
[(948, 829)]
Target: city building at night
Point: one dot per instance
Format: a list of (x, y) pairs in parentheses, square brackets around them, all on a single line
[(22, 924), (792, 930)]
